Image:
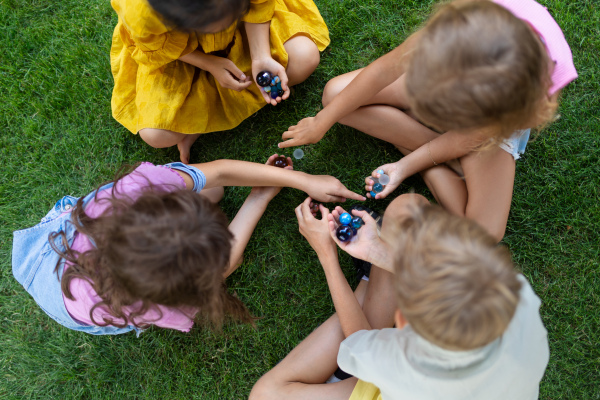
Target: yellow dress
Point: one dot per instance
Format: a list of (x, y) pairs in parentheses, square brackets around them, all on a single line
[(153, 89)]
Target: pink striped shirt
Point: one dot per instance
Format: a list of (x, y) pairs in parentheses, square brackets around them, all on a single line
[(546, 27)]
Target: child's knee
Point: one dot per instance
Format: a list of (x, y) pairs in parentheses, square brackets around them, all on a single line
[(160, 138), (403, 204), (332, 89), (304, 57), (264, 389)]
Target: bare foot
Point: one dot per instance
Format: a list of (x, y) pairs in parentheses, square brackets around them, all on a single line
[(184, 147)]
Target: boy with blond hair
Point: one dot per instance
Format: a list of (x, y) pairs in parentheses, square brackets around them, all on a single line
[(467, 324)]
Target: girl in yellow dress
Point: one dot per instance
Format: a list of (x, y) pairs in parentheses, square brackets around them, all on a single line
[(183, 68)]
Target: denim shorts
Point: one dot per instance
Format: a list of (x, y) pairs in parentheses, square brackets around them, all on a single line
[(516, 144)]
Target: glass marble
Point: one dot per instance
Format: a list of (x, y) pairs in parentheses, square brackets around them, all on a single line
[(280, 162), (267, 89), (298, 154), (314, 207), (263, 78), (378, 187), (274, 94), (357, 222), (345, 219), (373, 194), (384, 179), (344, 233)]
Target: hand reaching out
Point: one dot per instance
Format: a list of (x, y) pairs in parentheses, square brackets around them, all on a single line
[(393, 171), (308, 131), (328, 189)]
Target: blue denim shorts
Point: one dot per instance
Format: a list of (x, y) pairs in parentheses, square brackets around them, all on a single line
[(34, 261), (516, 144)]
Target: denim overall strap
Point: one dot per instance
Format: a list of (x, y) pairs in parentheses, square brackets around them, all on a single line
[(34, 261)]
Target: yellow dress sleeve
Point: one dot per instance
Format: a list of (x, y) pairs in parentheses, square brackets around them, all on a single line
[(150, 41), (260, 11)]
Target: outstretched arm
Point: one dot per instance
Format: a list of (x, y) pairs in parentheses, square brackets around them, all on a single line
[(376, 76), (351, 315), (242, 173)]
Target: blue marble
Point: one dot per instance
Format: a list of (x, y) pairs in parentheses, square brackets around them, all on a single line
[(280, 92), (373, 194), (344, 233), (263, 78), (345, 219), (274, 94), (378, 187), (354, 231), (357, 222)]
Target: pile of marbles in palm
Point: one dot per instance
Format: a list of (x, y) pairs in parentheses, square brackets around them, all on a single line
[(270, 84), (280, 162), (349, 227), (379, 183)]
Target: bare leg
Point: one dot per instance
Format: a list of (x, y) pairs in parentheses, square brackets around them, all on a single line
[(161, 138), (301, 375), (486, 192), (303, 58)]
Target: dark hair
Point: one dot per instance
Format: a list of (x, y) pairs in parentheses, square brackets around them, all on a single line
[(164, 248), (477, 65), (193, 15)]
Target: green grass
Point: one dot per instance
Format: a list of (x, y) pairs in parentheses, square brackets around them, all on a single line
[(58, 137)]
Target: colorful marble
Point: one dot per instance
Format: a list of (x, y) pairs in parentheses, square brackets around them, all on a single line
[(345, 218), (267, 89), (280, 162), (263, 78), (344, 233), (357, 222), (378, 187), (314, 207), (373, 194)]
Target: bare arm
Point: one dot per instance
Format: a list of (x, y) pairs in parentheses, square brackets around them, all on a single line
[(352, 318), (242, 173), (376, 76)]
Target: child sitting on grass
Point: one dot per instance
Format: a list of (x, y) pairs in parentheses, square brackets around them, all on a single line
[(458, 99), (145, 250), (467, 324)]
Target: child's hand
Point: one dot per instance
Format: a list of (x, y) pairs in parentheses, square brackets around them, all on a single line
[(308, 131), (268, 192), (276, 69), (328, 189), (316, 231), (366, 243), (393, 171), (228, 74)]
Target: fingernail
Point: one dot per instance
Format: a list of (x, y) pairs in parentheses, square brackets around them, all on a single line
[(243, 76)]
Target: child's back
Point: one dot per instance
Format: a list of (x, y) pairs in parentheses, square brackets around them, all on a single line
[(404, 365), (472, 328)]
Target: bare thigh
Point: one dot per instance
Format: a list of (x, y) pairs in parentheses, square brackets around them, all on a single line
[(393, 95)]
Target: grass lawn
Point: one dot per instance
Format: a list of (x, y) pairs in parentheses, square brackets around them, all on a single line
[(57, 137)]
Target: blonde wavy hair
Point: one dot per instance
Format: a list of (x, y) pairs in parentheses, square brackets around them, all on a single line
[(476, 65), (455, 286)]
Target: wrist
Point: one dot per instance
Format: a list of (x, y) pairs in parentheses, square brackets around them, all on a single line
[(381, 256)]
